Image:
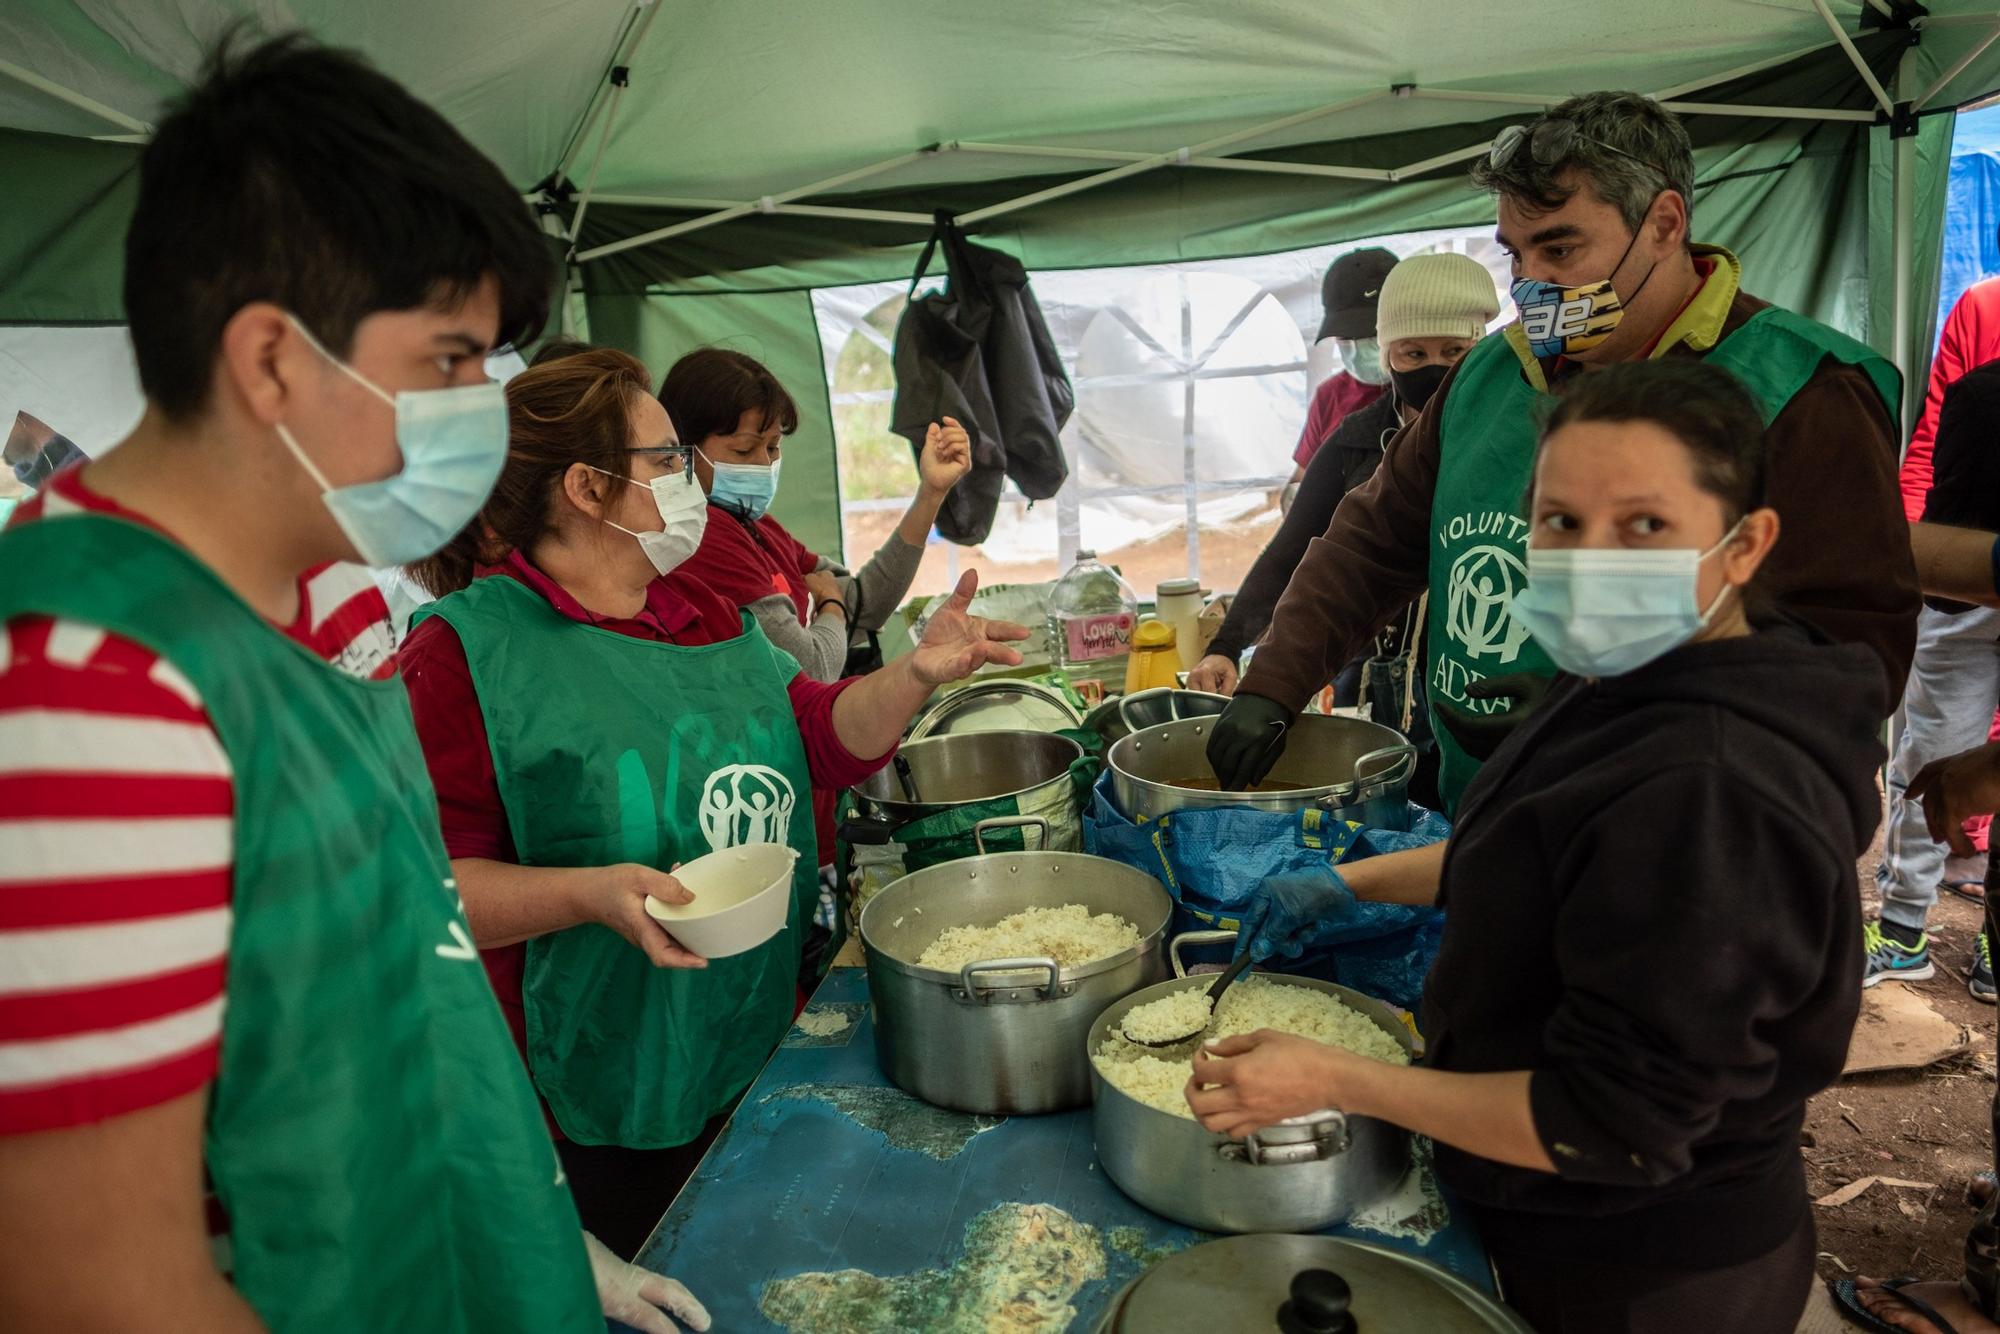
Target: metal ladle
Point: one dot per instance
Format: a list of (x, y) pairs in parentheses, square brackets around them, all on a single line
[(1229, 975)]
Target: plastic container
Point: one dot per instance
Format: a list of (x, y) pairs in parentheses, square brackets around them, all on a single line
[(1092, 613), (1178, 603), (742, 897), (1155, 661)]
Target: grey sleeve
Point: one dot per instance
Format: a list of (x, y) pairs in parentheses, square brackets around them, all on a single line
[(874, 594), (821, 647)]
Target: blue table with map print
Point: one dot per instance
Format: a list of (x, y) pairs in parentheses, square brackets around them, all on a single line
[(834, 1203)]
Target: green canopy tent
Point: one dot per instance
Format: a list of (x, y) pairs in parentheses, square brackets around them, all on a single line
[(704, 167)]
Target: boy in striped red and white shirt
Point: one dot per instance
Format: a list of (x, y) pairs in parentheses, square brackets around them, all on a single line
[(316, 268), (115, 841)]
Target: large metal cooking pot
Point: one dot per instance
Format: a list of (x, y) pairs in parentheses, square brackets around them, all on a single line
[(1255, 1285), (959, 769), (1353, 769), (1001, 1036), (1295, 1177)]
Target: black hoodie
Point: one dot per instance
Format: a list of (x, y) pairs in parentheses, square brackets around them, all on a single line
[(1650, 903)]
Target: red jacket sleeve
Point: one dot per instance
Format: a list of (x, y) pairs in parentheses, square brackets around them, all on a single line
[(1949, 363), (832, 764), (452, 732)]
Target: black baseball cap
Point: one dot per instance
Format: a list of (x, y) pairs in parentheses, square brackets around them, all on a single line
[(1347, 293)]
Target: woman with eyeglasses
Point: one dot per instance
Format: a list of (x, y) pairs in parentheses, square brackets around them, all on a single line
[(592, 715)]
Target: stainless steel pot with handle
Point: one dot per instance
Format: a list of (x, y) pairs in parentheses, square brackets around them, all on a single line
[(1353, 769), (1297, 1177), (1002, 1036), (958, 770)]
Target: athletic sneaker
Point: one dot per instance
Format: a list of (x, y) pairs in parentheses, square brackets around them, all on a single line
[(1889, 957), (1980, 984)]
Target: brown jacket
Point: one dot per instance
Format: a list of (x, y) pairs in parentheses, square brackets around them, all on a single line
[(1842, 560)]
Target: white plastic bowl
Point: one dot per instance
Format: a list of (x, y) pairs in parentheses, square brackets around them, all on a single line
[(742, 897)]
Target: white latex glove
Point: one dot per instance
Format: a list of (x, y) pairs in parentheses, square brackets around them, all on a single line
[(638, 1296)]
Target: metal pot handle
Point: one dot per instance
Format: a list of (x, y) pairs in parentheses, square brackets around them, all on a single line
[(1132, 724), (1011, 822), (1327, 1137), (968, 976), (1193, 938), (1401, 768)]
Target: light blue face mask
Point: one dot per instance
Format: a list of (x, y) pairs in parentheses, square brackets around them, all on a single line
[(454, 444), (744, 486), (1362, 358), (1599, 612)]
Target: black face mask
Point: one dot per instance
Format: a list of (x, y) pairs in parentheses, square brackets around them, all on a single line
[(1416, 387)]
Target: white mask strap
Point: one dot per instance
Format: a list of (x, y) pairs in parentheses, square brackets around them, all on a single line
[(353, 374)]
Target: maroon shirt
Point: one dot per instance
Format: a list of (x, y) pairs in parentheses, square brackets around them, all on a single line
[(680, 609)]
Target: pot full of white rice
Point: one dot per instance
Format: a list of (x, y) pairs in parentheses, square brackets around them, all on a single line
[(1288, 1178), (987, 972)]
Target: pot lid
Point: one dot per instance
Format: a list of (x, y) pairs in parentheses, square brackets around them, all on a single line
[(997, 706), (1304, 1285)]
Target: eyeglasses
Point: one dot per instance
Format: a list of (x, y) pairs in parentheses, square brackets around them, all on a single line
[(1551, 142), (671, 458)]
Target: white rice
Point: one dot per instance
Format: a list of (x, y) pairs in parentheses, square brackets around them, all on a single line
[(1251, 1004), (1180, 1015), (1070, 935)]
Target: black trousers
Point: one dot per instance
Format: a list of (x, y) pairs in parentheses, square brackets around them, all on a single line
[(621, 1193), (1762, 1296)]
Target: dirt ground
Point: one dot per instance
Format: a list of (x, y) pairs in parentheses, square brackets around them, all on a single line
[(1928, 1126)]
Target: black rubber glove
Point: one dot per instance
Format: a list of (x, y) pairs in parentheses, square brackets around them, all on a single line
[(1480, 734), (1249, 737)]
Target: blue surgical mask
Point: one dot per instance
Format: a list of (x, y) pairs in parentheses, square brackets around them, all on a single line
[(1599, 612), (744, 486), (1362, 358), (454, 444)]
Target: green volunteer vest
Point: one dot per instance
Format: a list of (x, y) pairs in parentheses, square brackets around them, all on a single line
[(613, 749), (1479, 532), (382, 1161)]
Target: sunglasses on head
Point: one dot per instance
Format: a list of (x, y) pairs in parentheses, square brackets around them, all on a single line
[(1550, 142)]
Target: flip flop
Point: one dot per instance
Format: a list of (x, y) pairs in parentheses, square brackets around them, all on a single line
[(1851, 1310)]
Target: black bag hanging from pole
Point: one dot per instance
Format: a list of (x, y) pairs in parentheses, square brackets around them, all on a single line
[(980, 352)]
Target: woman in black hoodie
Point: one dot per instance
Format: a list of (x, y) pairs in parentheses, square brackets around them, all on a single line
[(1651, 955)]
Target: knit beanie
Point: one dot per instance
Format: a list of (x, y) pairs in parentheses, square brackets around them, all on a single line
[(1440, 295)]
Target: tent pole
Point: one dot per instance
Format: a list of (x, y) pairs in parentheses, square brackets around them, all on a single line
[(1164, 159), (621, 56), (768, 204), (619, 78), (1769, 113), (795, 210), (73, 98), (1854, 57), (1217, 163), (1978, 49), (1903, 187)]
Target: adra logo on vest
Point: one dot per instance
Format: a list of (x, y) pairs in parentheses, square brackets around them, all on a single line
[(1480, 588), (746, 803)]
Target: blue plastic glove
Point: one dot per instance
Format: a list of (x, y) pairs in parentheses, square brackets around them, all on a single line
[(1291, 914)]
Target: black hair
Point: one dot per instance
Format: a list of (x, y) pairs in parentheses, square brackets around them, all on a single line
[(298, 174), (707, 392), (1704, 407)]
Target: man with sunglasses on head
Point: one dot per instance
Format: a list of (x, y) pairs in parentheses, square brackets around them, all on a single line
[(1595, 207)]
